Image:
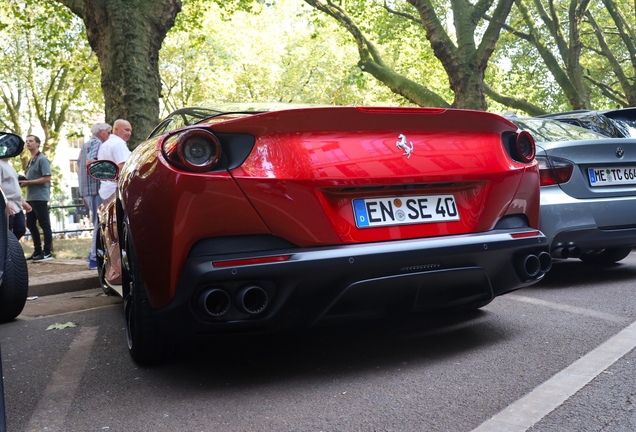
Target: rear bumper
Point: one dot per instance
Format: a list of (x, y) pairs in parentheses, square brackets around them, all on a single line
[(319, 285), (586, 224)]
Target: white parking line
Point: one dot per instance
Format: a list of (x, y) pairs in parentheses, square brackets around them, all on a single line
[(566, 308), (528, 410), (57, 397)]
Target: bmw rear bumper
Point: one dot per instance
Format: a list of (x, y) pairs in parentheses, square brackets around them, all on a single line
[(319, 285), (586, 224)]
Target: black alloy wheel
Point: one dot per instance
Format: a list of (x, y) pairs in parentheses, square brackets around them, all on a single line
[(146, 344)]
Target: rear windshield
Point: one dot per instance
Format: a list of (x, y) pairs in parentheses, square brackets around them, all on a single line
[(626, 126), (544, 130)]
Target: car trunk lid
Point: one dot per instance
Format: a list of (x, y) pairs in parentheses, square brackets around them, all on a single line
[(603, 168), (417, 173)]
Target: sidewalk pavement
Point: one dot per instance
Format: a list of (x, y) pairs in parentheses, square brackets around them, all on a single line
[(70, 276)]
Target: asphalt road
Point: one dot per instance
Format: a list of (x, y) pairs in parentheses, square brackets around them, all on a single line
[(556, 356)]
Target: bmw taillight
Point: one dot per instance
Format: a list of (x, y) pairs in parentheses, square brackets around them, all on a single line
[(192, 150), (553, 170)]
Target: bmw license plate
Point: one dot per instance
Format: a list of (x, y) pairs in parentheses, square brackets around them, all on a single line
[(612, 176), (375, 212)]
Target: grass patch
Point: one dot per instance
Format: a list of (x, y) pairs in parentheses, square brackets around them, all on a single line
[(63, 248)]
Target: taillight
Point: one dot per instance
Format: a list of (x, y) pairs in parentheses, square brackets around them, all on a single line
[(193, 150), (520, 146), (525, 147), (554, 170)]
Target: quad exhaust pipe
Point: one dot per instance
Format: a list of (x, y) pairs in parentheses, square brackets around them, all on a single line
[(251, 299), (216, 302), (533, 266), (571, 251)]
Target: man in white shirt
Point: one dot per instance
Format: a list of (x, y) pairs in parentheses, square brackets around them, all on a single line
[(116, 150)]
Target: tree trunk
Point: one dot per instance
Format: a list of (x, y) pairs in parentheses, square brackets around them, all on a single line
[(466, 62), (371, 61), (126, 36), (570, 78)]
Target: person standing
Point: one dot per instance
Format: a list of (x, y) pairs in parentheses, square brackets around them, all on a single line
[(38, 193), (116, 150), (11, 188), (88, 186)]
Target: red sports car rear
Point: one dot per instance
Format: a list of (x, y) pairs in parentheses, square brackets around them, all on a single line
[(252, 222)]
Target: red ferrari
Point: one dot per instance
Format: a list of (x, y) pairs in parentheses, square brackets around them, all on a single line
[(229, 220)]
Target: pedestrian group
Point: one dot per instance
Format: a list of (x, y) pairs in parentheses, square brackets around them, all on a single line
[(37, 181)]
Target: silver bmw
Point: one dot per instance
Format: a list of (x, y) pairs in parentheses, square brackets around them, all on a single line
[(588, 191)]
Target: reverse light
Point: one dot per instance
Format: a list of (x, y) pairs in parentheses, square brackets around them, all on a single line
[(553, 170), (193, 150)]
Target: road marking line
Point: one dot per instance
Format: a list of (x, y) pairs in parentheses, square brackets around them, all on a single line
[(567, 308), (525, 412), (50, 413)]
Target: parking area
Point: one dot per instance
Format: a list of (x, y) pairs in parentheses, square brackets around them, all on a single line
[(438, 373)]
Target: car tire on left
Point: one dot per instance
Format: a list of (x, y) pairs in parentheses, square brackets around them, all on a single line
[(15, 281)]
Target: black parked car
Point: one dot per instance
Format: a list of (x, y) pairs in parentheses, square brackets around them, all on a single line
[(618, 123), (14, 277)]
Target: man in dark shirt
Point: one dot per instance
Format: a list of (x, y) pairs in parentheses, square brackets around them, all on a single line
[(38, 193)]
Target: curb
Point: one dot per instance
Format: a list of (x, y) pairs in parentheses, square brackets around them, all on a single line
[(63, 283)]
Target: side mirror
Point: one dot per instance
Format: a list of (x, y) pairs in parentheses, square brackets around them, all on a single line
[(10, 145), (103, 170)]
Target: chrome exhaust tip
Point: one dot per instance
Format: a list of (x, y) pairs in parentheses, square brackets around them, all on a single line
[(545, 262), (531, 265), (251, 299), (214, 302)]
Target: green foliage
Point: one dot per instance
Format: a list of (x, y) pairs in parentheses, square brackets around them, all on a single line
[(49, 74), (279, 52), (517, 70)]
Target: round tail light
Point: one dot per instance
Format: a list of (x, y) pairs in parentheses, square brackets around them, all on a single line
[(525, 146), (196, 149)]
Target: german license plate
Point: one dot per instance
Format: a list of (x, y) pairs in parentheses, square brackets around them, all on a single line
[(375, 212), (613, 176)]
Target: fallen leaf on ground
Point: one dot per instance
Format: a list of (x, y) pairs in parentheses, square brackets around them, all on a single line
[(58, 326)]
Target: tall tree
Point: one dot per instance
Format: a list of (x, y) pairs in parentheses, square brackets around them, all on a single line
[(126, 36), (564, 38), (310, 61), (47, 67), (463, 49), (617, 44)]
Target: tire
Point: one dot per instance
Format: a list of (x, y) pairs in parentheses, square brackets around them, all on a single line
[(146, 344), (606, 256), (15, 281), (102, 261)]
